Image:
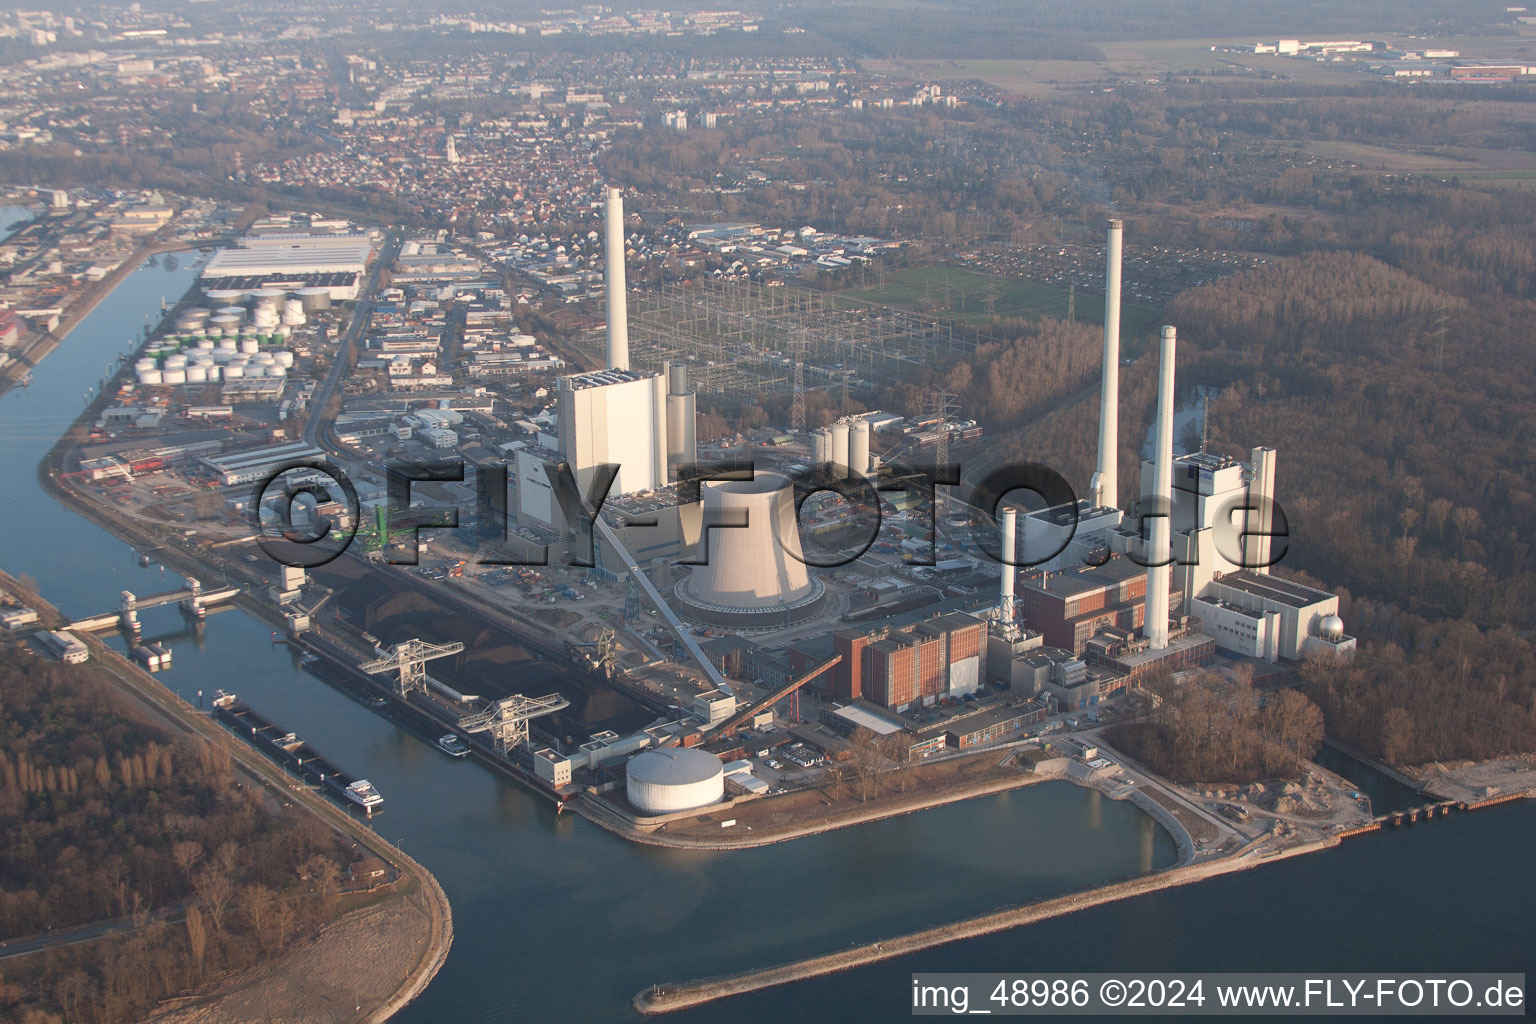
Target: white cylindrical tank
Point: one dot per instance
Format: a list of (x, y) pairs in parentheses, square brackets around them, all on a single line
[(858, 448), (821, 446), (265, 318), (225, 296), (276, 371), (226, 322), (176, 362), (674, 779), (173, 376), (233, 372), (293, 313), (142, 364), (255, 370), (840, 453), (151, 377), (283, 357), (226, 345), (203, 345), (197, 374), (250, 346), (215, 373), (238, 312)]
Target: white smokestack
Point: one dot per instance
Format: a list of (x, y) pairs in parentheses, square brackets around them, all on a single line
[(1159, 549), (1005, 608), (1105, 487), (1261, 521), (618, 306)]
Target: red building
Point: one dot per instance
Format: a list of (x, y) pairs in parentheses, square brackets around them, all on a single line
[(1070, 606)]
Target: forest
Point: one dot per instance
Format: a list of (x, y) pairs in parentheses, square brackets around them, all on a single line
[(105, 817), (1215, 727)]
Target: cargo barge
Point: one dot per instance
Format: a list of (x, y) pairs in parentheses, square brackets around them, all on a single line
[(293, 753)]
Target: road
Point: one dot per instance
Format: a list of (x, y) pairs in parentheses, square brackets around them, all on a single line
[(89, 932), (361, 315)]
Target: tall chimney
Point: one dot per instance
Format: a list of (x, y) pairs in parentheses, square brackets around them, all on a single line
[(618, 306), (1159, 549), (1010, 522), (1105, 486), (1261, 521)]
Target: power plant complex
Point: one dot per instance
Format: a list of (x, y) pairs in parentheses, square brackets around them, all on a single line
[(1090, 596)]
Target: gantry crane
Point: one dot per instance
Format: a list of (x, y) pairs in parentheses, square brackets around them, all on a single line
[(410, 659), (507, 719)]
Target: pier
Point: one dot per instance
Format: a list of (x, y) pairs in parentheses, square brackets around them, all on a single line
[(192, 598)]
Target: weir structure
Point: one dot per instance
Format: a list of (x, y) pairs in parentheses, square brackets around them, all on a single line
[(194, 601)]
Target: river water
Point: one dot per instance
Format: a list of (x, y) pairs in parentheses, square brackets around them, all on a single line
[(556, 919)]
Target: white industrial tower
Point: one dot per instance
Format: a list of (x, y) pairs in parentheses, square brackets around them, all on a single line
[(1010, 532), (618, 307), (1104, 490), (1159, 549)]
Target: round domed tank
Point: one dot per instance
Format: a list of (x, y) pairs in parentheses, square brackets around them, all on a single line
[(1331, 628), (674, 779)]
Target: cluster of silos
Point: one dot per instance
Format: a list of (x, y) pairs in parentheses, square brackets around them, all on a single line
[(206, 358), (682, 418), (754, 571), (845, 444)]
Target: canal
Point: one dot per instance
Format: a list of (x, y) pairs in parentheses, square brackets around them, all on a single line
[(556, 919)]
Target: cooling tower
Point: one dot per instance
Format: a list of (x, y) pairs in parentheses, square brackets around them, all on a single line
[(753, 575), (1155, 629), (1105, 487), (618, 305), (858, 448)]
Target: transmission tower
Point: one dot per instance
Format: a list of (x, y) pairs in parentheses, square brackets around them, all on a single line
[(944, 409), (631, 599), (507, 719), (410, 660), (1071, 303), (797, 404)]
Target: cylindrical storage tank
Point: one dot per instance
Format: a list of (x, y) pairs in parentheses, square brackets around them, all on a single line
[(214, 373), (255, 370), (197, 374), (265, 318), (314, 298), (226, 345), (276, 371), (293, 313), (226, 322), (145, 363), (202, 359), (858, 448), (682, 441), (674, 779), (225, 296), (283, 357), (233, 372), (198, 313), (151, 377), (249, 331), (176, 362), (821, 446), (250, 346), (174, 376), (268, 296), (238, 312), (284, 331), (203, 345), (840, 445)]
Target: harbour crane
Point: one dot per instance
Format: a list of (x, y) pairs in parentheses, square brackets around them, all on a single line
[(507, 719), (410, 660)]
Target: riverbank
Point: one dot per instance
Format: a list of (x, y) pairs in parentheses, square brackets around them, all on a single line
[(407, 933), (32, 352), (667, 998)]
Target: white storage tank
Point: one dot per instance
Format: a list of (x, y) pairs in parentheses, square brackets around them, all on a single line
[(276, 371), (151, 377), (255, 370), (142, 364), (214, 373), (293, 313), (174, 376), (233, 372), (250, 346), (225, 296), (858, 448), (674, 779), (228, 323), (283, 357), (840, 444), (238, 312), (197, 374), (176, 362), (265, 318)]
